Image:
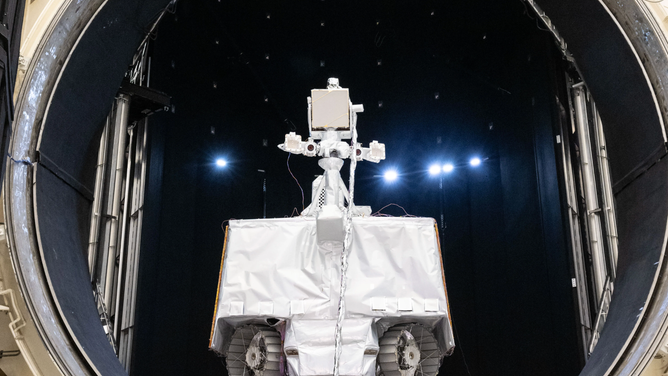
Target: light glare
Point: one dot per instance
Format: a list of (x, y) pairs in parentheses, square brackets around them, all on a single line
[(434, 169), (391, 175), (448, 167), (220, 162), (475, 161)]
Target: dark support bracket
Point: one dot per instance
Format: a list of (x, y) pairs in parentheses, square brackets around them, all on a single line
[(145, 101)]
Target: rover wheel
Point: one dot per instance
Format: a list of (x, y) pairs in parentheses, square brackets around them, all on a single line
[(409, 350), (254, 351)]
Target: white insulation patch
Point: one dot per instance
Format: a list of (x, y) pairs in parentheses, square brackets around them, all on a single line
[(274, 268)]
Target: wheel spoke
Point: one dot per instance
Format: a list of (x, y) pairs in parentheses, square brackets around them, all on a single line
[(249, 355), (396, 358)]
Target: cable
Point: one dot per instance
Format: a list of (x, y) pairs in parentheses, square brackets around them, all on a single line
[(461, 349), (528, 14), (540, 28), (378, 213), (347, 242), (297, 181), (526, 9), (22, 161)]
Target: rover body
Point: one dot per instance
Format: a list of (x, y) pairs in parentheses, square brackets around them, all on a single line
[(334, 291)]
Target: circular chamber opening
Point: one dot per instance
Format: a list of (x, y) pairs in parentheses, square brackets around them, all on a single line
[(565, 138)]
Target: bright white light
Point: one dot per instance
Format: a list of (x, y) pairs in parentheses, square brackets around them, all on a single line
[(448, 167), (220, 162), (434, 169), (475, 161), (391, 175)]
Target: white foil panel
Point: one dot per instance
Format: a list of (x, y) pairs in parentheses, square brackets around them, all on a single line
[(394, 272), (277, 261), (314, 341), (395, 258)]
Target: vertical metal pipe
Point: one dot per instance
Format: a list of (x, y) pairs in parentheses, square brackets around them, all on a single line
[(608, 197), (590, 194), (148, 72), (137, 253), (134, 243), (127, 210), (97, 201), (122, 114), (580, 283), (106, 218), (132, 227)]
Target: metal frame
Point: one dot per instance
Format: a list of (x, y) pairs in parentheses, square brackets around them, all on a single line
[(117, 211), (580, 280), (591, 214)]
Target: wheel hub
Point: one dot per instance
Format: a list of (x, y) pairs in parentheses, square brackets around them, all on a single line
[(256, 354), (408, 353)]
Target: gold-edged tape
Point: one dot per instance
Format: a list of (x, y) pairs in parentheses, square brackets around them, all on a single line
[(440, 256), (220, 276)]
